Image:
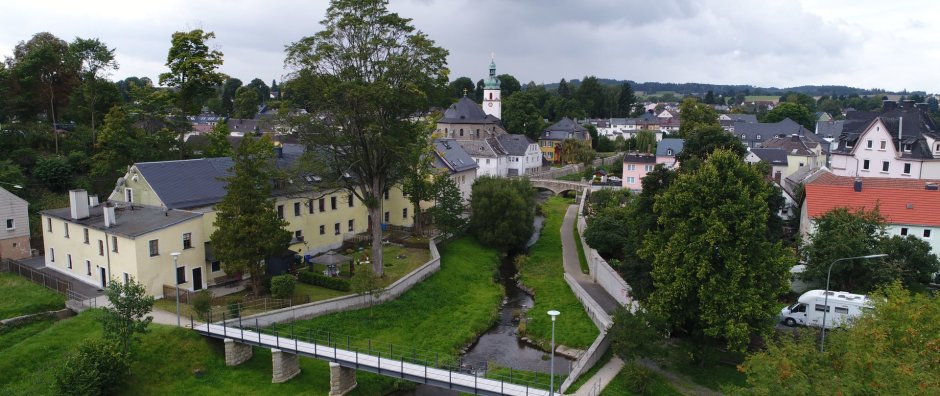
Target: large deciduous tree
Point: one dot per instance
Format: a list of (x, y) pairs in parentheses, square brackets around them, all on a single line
[(794, 111), (701, 143), (96, 60), (371, 76), (695, 116), (247, 229), (502, 211), (521, 115), (715, 271), (193, 72)]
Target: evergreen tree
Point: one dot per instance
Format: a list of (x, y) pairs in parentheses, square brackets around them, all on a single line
[(625, 100), (247, 229)]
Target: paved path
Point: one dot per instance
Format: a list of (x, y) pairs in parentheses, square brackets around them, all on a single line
[(573, 266), (38, 263), (599, 381)]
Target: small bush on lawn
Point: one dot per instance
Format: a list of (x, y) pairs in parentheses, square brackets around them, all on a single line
[(97, 368), (639, 379), (202, 303), (313, 278), (282, 286)]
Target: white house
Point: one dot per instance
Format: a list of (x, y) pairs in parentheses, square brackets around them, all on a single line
[(524, 155)]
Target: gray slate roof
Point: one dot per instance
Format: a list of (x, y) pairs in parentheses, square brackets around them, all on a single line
[(749, 132), (515, 144), (466, 111), (772, 156), (566, 128), (793, 145), (831, 128), (132, 221), (906, 123), (477, 148), (187, 183), (450, 156), (670, 143)]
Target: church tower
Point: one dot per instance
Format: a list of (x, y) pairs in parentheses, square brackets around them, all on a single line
[(491, 101)]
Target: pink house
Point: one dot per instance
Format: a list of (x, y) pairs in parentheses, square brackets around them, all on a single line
[(635, 167)]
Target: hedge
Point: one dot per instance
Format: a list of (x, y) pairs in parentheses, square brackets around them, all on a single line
[(313, 278)]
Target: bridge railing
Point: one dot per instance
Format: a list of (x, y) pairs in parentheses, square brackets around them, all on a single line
[(288, 335)]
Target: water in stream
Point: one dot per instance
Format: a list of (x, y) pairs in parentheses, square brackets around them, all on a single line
[(500, 345)]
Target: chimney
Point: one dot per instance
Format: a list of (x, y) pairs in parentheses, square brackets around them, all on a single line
[(78, 203), (93, 201), (777, 177), (109, 218), (279, 152), (858, 184), (888, 105)]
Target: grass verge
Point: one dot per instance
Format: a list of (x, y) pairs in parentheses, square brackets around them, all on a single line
[(19, 296), (712, 373), (582, 260), (637, 380), (543, 273)]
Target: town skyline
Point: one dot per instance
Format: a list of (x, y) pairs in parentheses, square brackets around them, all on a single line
[(781, 44)]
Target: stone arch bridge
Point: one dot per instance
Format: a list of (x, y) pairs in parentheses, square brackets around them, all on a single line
[(559, 186)]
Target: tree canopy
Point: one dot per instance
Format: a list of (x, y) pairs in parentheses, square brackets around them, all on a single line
[(695, 117), (715, 271), (793, 111), (502, 211)]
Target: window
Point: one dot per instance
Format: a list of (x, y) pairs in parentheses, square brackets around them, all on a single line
[(128, 195), (907, 168), (840, 310), (215, 266), (333, 203), (883, 145), (352, 225), (631, 167), (927, 233), (88, 267), (821, 308), (631, 180), (127, 279), (336, 229), (180, 275), (487, 162), (386, 194), (866, 164), (758, 137), (52, 255), (100, 247), (114, 247), (10, 224), (310, 206), (322, 204), (868, 144), (648, 168), (386, 217), (349, 200), (743, 136), (668, 151), (903, 231), (885, 165), (68, 260), (49, 224), (907, 148), (187, 240), (404, 213), (296, 209), (299, 235), (154, 247), (322, 229), (85, 235), (280, 212)]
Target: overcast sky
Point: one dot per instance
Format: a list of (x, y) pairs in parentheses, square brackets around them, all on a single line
[(782, 43)]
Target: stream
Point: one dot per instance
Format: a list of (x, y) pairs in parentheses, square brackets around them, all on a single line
[(500, 345)]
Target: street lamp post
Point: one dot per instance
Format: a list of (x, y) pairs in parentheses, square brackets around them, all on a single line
[(176, 256), (822, 343), (16, 186), (553, 313)]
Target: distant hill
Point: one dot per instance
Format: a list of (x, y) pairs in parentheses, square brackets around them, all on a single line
[(701, 88)]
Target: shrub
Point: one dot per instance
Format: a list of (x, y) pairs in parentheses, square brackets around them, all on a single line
[(282, 286), (313, 278), (97, 368), (639, 379), (202, 303)]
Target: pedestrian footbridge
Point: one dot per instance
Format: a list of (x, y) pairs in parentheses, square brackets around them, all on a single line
[(346, 356)]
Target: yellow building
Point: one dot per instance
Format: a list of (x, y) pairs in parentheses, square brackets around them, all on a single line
[(553, 136), (187, 191)]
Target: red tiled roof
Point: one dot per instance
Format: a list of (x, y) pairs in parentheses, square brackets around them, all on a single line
[(900, 201)]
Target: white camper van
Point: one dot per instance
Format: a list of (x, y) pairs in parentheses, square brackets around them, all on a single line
[(808, 311)]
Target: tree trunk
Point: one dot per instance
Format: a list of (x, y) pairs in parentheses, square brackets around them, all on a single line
[(376, 217), (417, 225), (55, 133)]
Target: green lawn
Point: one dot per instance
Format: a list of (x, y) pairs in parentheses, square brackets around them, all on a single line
[(19, 296), (543, 273), (576, 177), (712, 374), (441, 314), (623, 385)]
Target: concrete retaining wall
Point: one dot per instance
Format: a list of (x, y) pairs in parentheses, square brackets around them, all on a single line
[(587, 360), (57, 315), (601, 271), (345, 303), (600, 318)]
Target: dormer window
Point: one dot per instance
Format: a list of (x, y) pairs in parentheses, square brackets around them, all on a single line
[(743, 136), (668, 151), (907, 148), (758, 137)]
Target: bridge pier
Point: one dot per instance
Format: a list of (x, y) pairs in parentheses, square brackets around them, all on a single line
[(236, 353), (342, 380), (285, 366)]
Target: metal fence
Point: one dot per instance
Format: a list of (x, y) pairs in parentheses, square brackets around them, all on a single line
[(50, 282)]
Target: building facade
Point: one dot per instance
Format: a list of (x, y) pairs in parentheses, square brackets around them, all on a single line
[(14, 234)]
